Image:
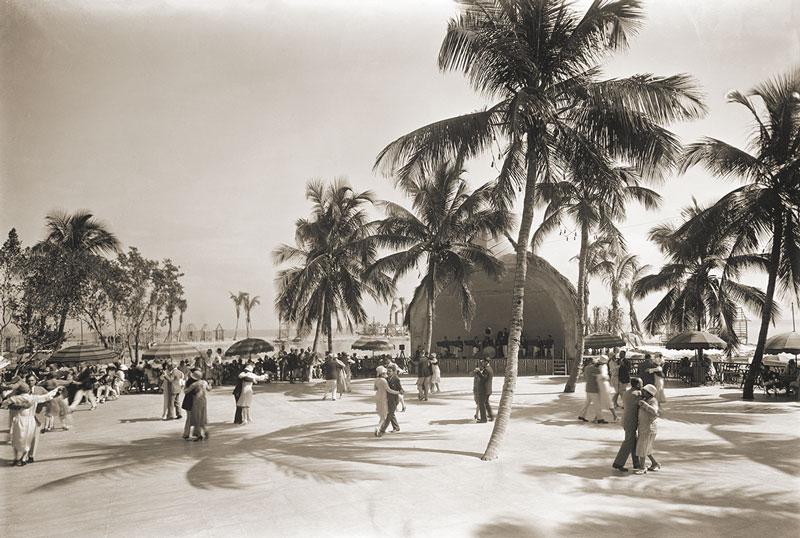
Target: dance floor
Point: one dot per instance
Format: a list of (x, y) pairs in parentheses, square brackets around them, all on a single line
[(308, 467)]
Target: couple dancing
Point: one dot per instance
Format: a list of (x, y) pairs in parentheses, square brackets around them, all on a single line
[(640, 418), (388, 395)]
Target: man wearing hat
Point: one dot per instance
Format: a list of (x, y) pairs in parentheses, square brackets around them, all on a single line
[(172, 384), (482, 389), (392, 399), (424, 375), (630, 423)]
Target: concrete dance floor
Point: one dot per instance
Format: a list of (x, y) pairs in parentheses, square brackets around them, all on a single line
[(308, 467)]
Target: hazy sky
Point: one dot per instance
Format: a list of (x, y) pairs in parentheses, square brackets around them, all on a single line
[(191, 127)]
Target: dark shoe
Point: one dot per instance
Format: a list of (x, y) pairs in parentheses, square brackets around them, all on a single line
[(582, 419), (491, 419), (179, 417), (620, 468), (599, 421), (395, 430), (481, 421), (655, 467), (30, 459)]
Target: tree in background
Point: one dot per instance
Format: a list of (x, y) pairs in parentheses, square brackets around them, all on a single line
[(249, 304), (11, 261), (333, 250), (766, 209), (238, 300), (441, 234)]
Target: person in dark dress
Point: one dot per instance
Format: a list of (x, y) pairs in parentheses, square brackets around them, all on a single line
[(624, 376), (482, 388), (237, 392)]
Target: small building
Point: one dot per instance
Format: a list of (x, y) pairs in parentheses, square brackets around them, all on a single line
[(205, 333), (191, 333), (219, 333)]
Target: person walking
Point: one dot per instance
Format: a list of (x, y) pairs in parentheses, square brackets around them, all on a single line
[(590, 372), (482, 390), (382, 394), (86, 382), (246, 398), (424, 375), (648, 420), (623, 376), (630, 424), (605, 391), (436, 373)]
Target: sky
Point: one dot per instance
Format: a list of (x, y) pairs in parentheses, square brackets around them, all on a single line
[(191, 127)]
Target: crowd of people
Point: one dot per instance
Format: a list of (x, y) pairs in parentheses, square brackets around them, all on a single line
[(497, 345)]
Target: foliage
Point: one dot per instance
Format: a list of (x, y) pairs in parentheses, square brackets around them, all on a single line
[(11, 260)]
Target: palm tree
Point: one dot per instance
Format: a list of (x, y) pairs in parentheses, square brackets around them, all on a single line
[(539, 60), (77, 236), (765, 209), (617, 269), (182, 306), (238, 300), (627, 290), (249, 304), (441, 234), (333, 251), (595, 199), (699, 285)]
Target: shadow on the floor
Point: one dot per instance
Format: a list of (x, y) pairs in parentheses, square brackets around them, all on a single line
[(452, 422), (132, 420), (508, 528), (323, 451)]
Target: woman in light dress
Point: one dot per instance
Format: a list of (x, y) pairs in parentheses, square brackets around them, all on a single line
[(613, 374), (246, 398), (658, 379), (22, 409), (382, 391), (197, 407), (436, 378), (604, 386), (647, 429)]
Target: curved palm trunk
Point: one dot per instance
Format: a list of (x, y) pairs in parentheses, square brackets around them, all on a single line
[(766, 314), (517, 309), (236, 329), (635, 328), (573, 375), (169, 328), (431, 299), (316, 335)]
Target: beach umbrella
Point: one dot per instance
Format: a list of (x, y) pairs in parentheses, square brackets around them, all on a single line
[(174, 351), (602, 341), (698, 341), (784, 343), (249, 346), (84, 353)]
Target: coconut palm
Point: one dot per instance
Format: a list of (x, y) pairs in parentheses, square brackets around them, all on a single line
[(441, 234), (333, 251), (637, 273), (538, 60), (699, 285), (78, 236), (249, 304), (238, 301), (765, 210), (595, 199), (617, 269)]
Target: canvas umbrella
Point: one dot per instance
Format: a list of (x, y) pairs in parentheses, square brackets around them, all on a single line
[(372, 345), (249, 346), (784, 343), (602, 341), (174, 351), (83, 353), (697, 341)]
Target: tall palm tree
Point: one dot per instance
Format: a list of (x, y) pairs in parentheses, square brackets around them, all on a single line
[(627, 290), (78, 236), (538, 59), (333, 251), (595, 198), (238, 301), (698, 282), (617, 269), (249, 304), (441, 234), (765, 210)]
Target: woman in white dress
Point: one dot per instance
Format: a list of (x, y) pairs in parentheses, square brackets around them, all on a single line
[(382, 392), (22, 409), (436, 378), (246, 397), (604, 386), (658, 379)]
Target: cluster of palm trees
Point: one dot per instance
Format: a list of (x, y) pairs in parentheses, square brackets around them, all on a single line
[(244, 302), (580, 146)]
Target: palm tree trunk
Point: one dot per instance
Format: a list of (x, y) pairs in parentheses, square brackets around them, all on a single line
[(316, 335), (586, 310), (329, 322), (236, 329), (430, 292), (169, 328), (576, 367), (62, 322), (635, 328), (616, 315), (766, 314), (517, 310)]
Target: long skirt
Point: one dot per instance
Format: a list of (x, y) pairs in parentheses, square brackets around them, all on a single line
[(644, 444), (23, 431), (199, 413), (659, 383)]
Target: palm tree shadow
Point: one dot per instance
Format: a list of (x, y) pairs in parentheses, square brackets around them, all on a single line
[(451, 422), (323, 452)]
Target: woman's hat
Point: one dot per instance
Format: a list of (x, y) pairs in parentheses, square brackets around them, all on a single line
[(380, 370), (249, 367), (651, 389), (196, 374)]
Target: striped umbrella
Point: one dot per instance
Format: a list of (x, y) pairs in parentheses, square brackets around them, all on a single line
[(372, 345), (249, 346), (695, 340), (602, 341), (84, 353), (171, 351), (784, 343)]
